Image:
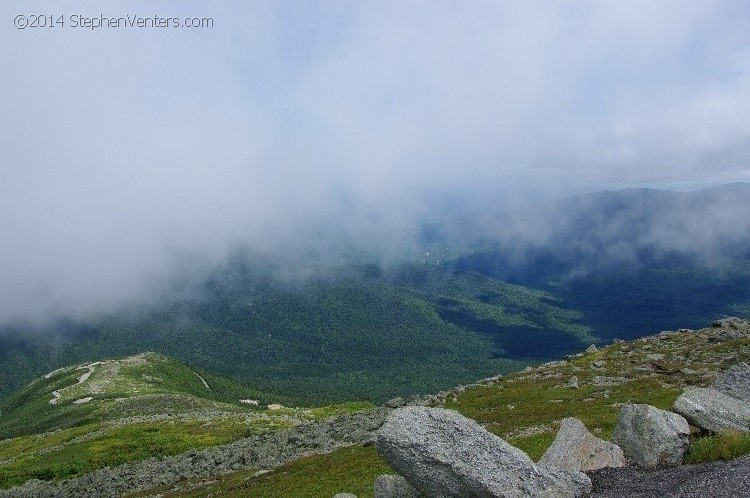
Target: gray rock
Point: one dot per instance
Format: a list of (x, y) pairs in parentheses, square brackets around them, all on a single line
[(735, 382), (416, 401), (389, 486), (576, 449), (442, 453), (712, 410), (573, 356), (592, 349), (730, 329), (344, 495), (732, 322), (600, 380), (395, 402), (650, 437), (573, 382)]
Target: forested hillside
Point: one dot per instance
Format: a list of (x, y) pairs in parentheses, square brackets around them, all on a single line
[(355, 332), (632, 261), (490, 293)]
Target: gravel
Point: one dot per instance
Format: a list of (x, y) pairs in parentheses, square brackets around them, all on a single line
[(715, 480)]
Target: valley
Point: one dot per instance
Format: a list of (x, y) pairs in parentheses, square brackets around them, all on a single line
[(375, 249), (509, 290), (278, 372)]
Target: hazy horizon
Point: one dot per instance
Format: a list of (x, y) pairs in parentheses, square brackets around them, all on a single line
[(128, 154)]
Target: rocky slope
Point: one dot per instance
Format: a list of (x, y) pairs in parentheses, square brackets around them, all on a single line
[(525, 408), (258, 453), (79, 419)]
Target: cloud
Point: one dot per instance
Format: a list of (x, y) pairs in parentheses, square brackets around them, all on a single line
[(122, 147)]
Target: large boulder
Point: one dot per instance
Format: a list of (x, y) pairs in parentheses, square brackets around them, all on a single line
[(389, 486), (651, 438), (576, 449), (735, 382), (712, 410), (442, 453)]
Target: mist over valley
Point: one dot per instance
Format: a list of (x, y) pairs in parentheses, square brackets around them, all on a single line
[(238, 240)]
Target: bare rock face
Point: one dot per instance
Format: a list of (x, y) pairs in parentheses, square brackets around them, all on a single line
[(442, 453), (577, 450), (388, 486), (712, 410), (735, 382), (650, 437)]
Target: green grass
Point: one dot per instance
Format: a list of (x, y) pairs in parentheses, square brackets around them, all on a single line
[(137, 386), (523, 402), (341, 409), (525, 408), (348, 470), (543, 404), (722, 446), (68, 453), (144, 406)]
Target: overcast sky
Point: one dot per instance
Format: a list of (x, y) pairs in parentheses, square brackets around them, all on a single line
[(121, 147)]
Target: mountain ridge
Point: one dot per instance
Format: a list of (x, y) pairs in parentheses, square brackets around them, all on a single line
[(522, 407), (550, 283)]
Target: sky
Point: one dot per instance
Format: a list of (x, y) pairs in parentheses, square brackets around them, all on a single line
[(130, 153)]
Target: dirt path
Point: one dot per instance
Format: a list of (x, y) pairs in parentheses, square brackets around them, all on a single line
[(90, 368), (202, 380)]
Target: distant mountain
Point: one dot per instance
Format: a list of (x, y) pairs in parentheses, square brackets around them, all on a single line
[(526, 286), (595, 232), (631, 261)]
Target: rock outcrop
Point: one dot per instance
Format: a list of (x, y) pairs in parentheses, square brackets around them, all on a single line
[(735, 382), (651, 438), (730, 329), (390, 486), (395, 402), (712, 410), (576, 449), (442, 453)]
